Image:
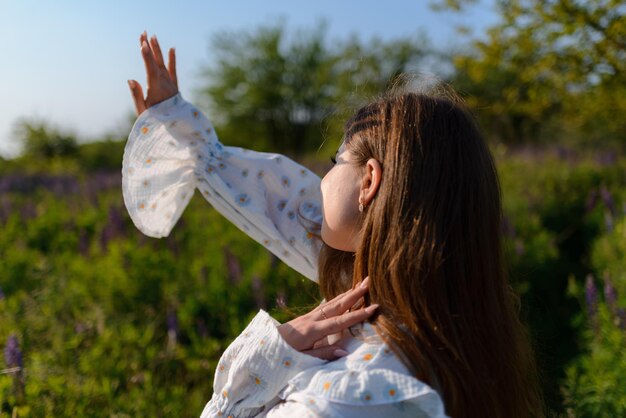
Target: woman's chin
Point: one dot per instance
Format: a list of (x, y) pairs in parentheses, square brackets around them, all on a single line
[(332, 241)]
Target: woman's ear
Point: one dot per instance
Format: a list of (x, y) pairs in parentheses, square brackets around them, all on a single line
[(371, 181)]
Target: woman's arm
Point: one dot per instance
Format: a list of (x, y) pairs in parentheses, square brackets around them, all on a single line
[(173, 149)]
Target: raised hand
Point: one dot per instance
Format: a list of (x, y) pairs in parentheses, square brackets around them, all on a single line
[(309, 333), (162, 81)]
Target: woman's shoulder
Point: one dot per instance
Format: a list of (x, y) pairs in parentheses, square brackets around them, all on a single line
[(370, 381)]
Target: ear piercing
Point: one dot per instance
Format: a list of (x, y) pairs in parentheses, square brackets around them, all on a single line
[(361, 205)]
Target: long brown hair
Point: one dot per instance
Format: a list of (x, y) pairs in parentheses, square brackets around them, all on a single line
[(432, 247)]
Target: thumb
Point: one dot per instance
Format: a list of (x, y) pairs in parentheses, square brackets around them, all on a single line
[(329, 352)]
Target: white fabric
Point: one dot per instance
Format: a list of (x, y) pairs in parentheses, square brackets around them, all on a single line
[(171, 151), (260, 375)]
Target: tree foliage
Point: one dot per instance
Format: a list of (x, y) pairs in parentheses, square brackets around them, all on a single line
[(550, 69), (269, 89)]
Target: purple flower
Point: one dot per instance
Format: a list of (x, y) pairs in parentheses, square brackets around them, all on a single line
[(621, 315), (172, 322), (610, 295), (607, 199), (257, 290), (233, 266), (172, 328), (12, 353), (591, 297)]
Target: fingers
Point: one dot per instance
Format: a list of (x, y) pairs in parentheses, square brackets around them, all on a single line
[(327, 353), (156, 52), (341, 322), (151, 65), (346, 300), (137, 94), (171, 66)]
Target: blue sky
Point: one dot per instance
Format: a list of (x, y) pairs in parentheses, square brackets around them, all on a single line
[(67, 62)]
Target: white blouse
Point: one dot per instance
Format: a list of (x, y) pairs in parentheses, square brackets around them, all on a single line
[(172, 150)]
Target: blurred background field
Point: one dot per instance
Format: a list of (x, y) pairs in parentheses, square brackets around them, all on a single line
[(98, 320)]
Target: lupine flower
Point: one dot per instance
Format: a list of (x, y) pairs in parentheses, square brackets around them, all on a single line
[(257, 290), (608, 221), (12, 353), (591, 297), (610, 295), (621, 315), (607, 199), (172, 328), (114, 227), (233, 266)]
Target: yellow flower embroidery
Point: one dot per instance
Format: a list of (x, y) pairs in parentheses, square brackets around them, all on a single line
[(367, 357), (225, 393), (257, 381), (144, 130), (326, 385)]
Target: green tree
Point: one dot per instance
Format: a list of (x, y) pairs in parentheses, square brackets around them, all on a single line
[(40, 140), (549, 68), (272, 90)]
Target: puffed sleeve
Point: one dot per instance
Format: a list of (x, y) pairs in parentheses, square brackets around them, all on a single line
[(173, 149), (254, 369)]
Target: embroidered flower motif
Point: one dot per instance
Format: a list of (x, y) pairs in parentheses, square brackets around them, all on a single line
[(390, 392), (142, 205), (195, 114), (242, 199), (366, 396), (210, 169), (292, 241), (206, 193), (282, 204), (153, 206), (173, 124), (222, 166), (145, 183), (326, 386), (302, 192), (278, 160), (291, 214), (285, 181), (267, 242), (257, 380), (260, 174), (287, 362), (148, 162), (244, 173), (145, 130), (367, 356), (303, 172)]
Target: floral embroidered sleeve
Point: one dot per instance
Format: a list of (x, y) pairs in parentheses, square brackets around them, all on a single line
[(253, 370), (173, 149)]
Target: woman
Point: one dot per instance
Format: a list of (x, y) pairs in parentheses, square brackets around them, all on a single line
[(412, 205)]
